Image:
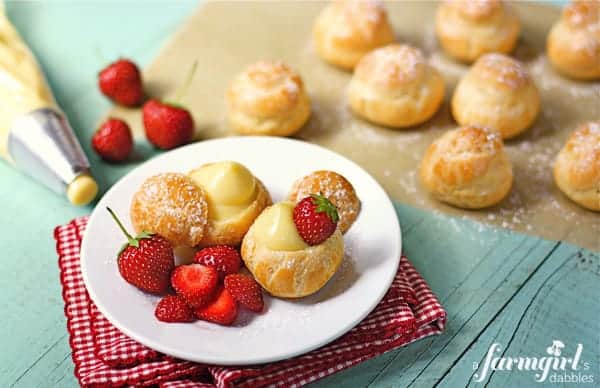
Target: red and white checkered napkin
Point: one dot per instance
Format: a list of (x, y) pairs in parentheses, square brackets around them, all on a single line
[(103, 356)]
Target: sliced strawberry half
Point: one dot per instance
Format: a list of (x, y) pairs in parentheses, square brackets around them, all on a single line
[(246, 291), (224, 258), (221, 310), (195, 283), (173, 308)]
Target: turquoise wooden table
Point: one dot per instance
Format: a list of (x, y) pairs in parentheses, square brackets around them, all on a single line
[(507, 294)]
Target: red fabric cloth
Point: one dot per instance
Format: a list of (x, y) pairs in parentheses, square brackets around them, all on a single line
[(103, 356)]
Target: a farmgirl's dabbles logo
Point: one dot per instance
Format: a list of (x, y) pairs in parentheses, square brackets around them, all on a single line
[(555, 366)]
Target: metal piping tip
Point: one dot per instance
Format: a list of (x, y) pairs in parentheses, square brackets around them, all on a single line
[(42, 144)]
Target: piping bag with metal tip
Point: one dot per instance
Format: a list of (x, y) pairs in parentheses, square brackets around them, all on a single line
[(35, 135)]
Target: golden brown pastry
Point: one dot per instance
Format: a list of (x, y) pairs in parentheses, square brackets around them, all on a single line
[(281, 261), (468, 168), (497, 92), (573, 44), (345, 31), (334, 187), (235, 198), (173, 206), (577, 167), (396, 87), (468, 29), (268, 98)]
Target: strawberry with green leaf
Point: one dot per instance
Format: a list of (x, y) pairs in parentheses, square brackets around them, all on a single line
[(145, 261), (169, 124), (315, 218)]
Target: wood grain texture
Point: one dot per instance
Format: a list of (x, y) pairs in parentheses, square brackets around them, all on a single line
[(559, 302), (474, 277), (34, 351)]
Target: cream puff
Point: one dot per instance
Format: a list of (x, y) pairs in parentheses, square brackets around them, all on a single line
[(235, 198), (268, 98), (345, 31), (497, 92), (281, 261), (467, 168), (577, 167), (173, 206), (469, 29), (394, 86), (573, 44), (334, 187)]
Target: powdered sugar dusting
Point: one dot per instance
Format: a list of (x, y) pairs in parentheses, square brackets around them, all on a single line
[(334, 187), (502, 69), (584, 148), (358, 18), (475, 8), (549, 81), (582, 14), (393, 64), (171, 205), (265, 75)]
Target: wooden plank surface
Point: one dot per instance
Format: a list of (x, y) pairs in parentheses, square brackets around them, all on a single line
[(559, 302), (498, 286), (487, 285)]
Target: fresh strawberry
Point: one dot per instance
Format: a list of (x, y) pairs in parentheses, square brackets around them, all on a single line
[(167, 126), (196, 283), (246, 291), (224, 258), (146, 261), (315, 218), (121, 81), (221, 310), (113, 140), (172, 308)]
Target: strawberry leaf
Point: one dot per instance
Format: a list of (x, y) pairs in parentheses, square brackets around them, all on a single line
[(144, 234), (323, 205)]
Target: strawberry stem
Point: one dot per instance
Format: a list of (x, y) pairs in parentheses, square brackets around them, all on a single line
[(186, 85), (130, 239)]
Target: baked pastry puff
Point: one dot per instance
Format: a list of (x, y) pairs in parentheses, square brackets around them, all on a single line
[(346, 30), (281, 261), (235, 198), (396, 87), (467, 168), (573, 44), (334, 187), (468, 29), (173, 206), (577, 167), (497, 92), (268, 98)]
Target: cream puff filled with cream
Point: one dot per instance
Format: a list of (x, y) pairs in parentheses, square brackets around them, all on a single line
[(235, 198), (281, 261)]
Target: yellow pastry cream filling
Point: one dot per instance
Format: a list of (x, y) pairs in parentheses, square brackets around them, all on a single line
[(275, 228), (229, 186)]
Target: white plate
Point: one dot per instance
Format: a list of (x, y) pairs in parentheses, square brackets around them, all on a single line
[(287, 328)]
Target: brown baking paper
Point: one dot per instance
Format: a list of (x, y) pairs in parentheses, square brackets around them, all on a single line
[(226, 36)]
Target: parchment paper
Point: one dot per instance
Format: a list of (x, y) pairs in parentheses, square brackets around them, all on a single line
[(226, 36)]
